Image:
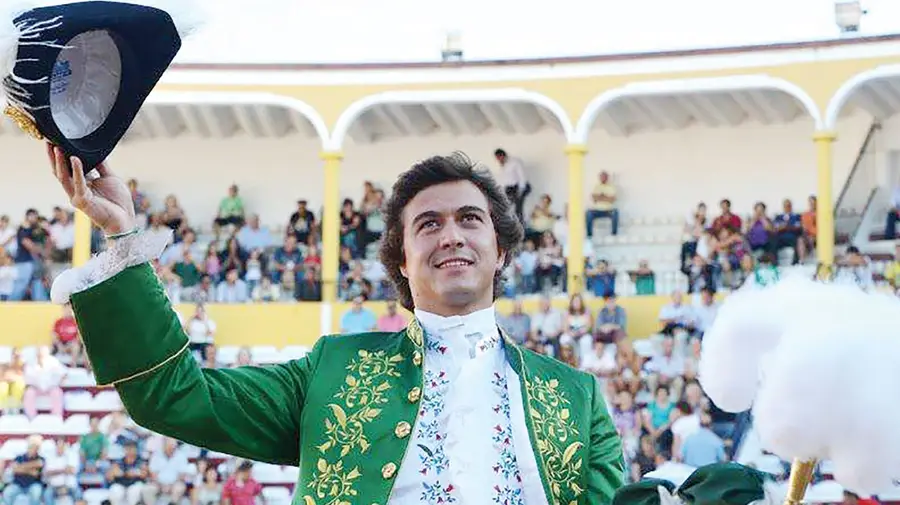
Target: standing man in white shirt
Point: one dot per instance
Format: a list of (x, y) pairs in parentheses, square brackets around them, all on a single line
[(512, 178)]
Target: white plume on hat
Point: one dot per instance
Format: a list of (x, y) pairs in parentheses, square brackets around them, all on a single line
[(820, 365)]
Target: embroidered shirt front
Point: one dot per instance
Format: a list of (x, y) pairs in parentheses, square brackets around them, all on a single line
[(469, 439)]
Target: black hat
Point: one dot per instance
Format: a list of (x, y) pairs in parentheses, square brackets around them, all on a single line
[(77, 74)]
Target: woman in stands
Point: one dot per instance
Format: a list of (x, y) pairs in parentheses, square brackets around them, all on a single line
[(12, 386)]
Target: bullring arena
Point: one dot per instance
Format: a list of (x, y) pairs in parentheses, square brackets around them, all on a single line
[(747, 124)]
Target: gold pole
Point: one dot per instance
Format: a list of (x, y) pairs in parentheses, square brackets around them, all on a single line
[(801, 476)]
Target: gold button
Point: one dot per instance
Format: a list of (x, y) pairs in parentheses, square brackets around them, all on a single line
[(402, 430), (388, 470), (417, 358), (414, 394)]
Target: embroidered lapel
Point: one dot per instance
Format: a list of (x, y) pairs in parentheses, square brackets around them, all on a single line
[(554, 436)]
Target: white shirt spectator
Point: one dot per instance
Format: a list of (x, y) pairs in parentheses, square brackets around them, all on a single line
[(45, 376), (704, 315), (232, 293), (668, 366), (549, 324), (54, 461), (679, 313), (7, 280), (201, 331), (169, 470), (512, 173), (685, 426), (63, 235)]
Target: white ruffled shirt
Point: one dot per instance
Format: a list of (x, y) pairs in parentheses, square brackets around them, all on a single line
[(470, 445)]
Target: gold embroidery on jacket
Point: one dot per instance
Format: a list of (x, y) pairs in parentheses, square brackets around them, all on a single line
[(557, 438), (360, 398)]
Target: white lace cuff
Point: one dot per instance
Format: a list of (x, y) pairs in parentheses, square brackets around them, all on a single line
[(122, 253)]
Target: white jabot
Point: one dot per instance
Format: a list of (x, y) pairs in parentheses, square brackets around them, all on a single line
[(470, 445)]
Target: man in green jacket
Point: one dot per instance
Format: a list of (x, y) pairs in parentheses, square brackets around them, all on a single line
[(447, 411)]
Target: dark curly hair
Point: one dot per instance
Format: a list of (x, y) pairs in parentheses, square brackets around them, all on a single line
[(440, 170)]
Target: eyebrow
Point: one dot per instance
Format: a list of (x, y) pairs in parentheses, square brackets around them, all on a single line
[(432, 214)]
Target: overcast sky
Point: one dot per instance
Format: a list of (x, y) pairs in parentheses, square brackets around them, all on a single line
[(413, 30)]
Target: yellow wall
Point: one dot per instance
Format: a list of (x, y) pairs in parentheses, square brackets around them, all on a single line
[(23, 324)]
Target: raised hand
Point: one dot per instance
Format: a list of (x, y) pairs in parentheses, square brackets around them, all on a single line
[(105, 199)]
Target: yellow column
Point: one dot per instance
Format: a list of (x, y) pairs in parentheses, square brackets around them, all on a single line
[(575, 260), (825, 198), (331, 225), (81, 250)]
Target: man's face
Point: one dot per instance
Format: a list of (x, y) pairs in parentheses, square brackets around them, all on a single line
[(450, 248)]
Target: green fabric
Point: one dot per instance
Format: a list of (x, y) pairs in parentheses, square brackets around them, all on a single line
[(335, 413), (231, 206), (92, 445), (645, 492), (724, 484), (127, 324)]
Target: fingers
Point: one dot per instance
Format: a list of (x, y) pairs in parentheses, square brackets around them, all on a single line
[(103, 170), (62, 171), (79, 179)]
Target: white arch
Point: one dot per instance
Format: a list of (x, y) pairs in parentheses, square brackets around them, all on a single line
[(846, 90), (243, 98), (680, 86), (356, 109)]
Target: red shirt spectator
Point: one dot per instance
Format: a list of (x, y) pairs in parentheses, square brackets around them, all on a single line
[(726, 219), (241, 488), (66, 329)]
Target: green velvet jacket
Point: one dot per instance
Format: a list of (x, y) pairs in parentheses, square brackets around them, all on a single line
[(343, 414)]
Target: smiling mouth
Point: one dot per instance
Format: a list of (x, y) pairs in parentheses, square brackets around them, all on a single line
[(455, 262)]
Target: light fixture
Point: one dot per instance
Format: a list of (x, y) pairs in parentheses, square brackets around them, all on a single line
[(452, 50), (848, 14)]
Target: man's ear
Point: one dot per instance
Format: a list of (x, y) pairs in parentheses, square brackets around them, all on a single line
[(403, 271), (501, 260)]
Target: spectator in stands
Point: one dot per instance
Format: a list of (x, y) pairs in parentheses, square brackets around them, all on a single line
[(27, 471), (893, 215), (644, 279), (189, 271), (302, 223), (141, 203), (578, 324), (244, 357), (12, 384), (644, 461), (676, 316), (808, 220), (351, 229), (856, 268), (726, 220), (517, 324), (233, 289), (524, 267), (28, 259), (66, 346), (128, 478), (391, 321), (7, 236), (207, 489), (568, 355), (656, 414), (542, 219), (201, 330), (685, 422), (358, 319), (730, 247), (310, 288), (700, 274), (254, 274), (705, 311), (702, 447), (512, 178), (59, 473), (694, 226), (62, 236), (231, 210), (547, 326), (252, 236), (372, 216), (789, 231), (234, 256), (44, 378), (174, 217), (287, 261), (891, 270), (603, 205), (666, 368), (601, 279), (241, 488), (692, 359), (188, 243), (612, 322), (92, 449), (600, 360), (759, 231), (169, 470), (212, 358), (7, 275)]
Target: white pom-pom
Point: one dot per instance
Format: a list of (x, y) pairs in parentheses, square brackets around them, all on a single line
[(826, 390), (187, 15), (9, 34)]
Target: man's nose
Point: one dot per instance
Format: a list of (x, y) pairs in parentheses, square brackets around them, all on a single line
[(451, 236)]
